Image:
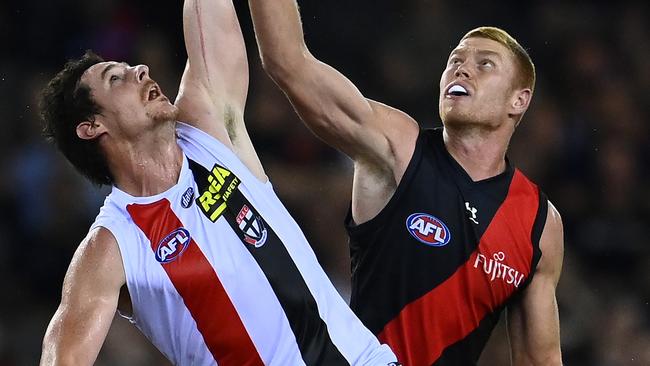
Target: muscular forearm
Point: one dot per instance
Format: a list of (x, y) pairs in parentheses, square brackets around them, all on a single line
[(279, 34), (63, 346)]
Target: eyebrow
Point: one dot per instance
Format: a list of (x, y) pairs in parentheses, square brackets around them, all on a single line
[(109, 67), (489, 53), (479, 52)]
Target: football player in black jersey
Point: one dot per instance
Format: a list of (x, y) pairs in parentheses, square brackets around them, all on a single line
[(485, 90)]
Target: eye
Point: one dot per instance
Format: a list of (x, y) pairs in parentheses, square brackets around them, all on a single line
[(487, 63), (455, 61), (114, 78)]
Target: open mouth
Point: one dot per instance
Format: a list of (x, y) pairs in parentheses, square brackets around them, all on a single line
[(154, 93), (457, 91)]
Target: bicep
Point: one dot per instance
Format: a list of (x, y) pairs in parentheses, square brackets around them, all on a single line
[(533, 320), (334, 108), (88, 303)]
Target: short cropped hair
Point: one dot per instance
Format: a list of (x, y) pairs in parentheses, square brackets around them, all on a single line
[(527, 76), (64, 103)]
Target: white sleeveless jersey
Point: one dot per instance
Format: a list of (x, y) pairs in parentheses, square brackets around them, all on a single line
[(220, 274)]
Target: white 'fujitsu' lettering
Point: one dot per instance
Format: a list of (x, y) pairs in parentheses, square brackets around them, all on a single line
[(496, 269)]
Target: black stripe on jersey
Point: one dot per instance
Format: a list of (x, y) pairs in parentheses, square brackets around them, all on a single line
[(535, 235), (540, 219), (467, 351), (538, 228), (288, 285)]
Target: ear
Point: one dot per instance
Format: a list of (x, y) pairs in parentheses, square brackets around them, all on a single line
[(89, 130), (520, 101)]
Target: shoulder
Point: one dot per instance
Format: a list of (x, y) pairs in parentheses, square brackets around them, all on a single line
[(100, 238), (400, 132), (400, 129), (98, 257), (99, 244)]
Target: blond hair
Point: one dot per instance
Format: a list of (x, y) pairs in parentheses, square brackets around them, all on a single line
[(524, 62)]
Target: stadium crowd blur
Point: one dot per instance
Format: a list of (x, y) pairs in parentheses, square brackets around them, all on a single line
[(584, 140)]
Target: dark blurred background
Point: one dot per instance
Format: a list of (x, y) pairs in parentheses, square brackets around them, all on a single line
[(584, 140)]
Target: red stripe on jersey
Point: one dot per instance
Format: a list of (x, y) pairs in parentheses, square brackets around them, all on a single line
[(202, 292), (447, 314)]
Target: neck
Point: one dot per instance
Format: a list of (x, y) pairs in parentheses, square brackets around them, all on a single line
[(481, 152), (147, 165)]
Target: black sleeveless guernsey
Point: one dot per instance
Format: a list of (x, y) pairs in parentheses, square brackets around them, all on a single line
[(433, 270)]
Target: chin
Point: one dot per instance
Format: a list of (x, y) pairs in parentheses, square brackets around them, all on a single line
[(456, 119), (164, 113), (455, 116)]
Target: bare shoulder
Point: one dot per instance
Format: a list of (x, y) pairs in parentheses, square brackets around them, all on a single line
[(400, 131), (100, 244), (551, 243), (393, 119), (378, 172), (97, 261)]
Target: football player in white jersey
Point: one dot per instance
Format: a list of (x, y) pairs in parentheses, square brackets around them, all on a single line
[(117, 127)]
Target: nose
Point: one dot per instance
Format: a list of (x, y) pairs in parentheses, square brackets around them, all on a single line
[(462, 71), (141, 73)]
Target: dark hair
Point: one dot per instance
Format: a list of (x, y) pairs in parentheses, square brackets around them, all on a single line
[(64, 103)]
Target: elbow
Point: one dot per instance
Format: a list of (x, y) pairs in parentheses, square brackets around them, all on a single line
[(281, 67)]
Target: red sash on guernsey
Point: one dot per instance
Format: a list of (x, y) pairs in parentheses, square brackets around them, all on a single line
[(199, 286), (415, 336)]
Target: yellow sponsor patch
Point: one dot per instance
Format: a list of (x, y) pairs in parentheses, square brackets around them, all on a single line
[(221, 184)]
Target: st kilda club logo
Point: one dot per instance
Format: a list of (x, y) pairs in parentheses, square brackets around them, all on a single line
[(252, 226)]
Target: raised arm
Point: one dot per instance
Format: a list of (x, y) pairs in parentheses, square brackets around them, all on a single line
[(89, 300), (533, 321), (213, 90), (379, 139), (326, 100)]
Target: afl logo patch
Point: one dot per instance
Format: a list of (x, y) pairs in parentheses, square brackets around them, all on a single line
[(173, 245), (428, 229), (186, 199)]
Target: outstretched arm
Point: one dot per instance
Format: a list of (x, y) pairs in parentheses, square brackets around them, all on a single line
[(325, 99), (213, 90), (379, 139), (89, 300), (533, 321)]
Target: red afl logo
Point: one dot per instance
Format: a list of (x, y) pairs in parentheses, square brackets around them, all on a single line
[(173, 245), (428, 229)]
